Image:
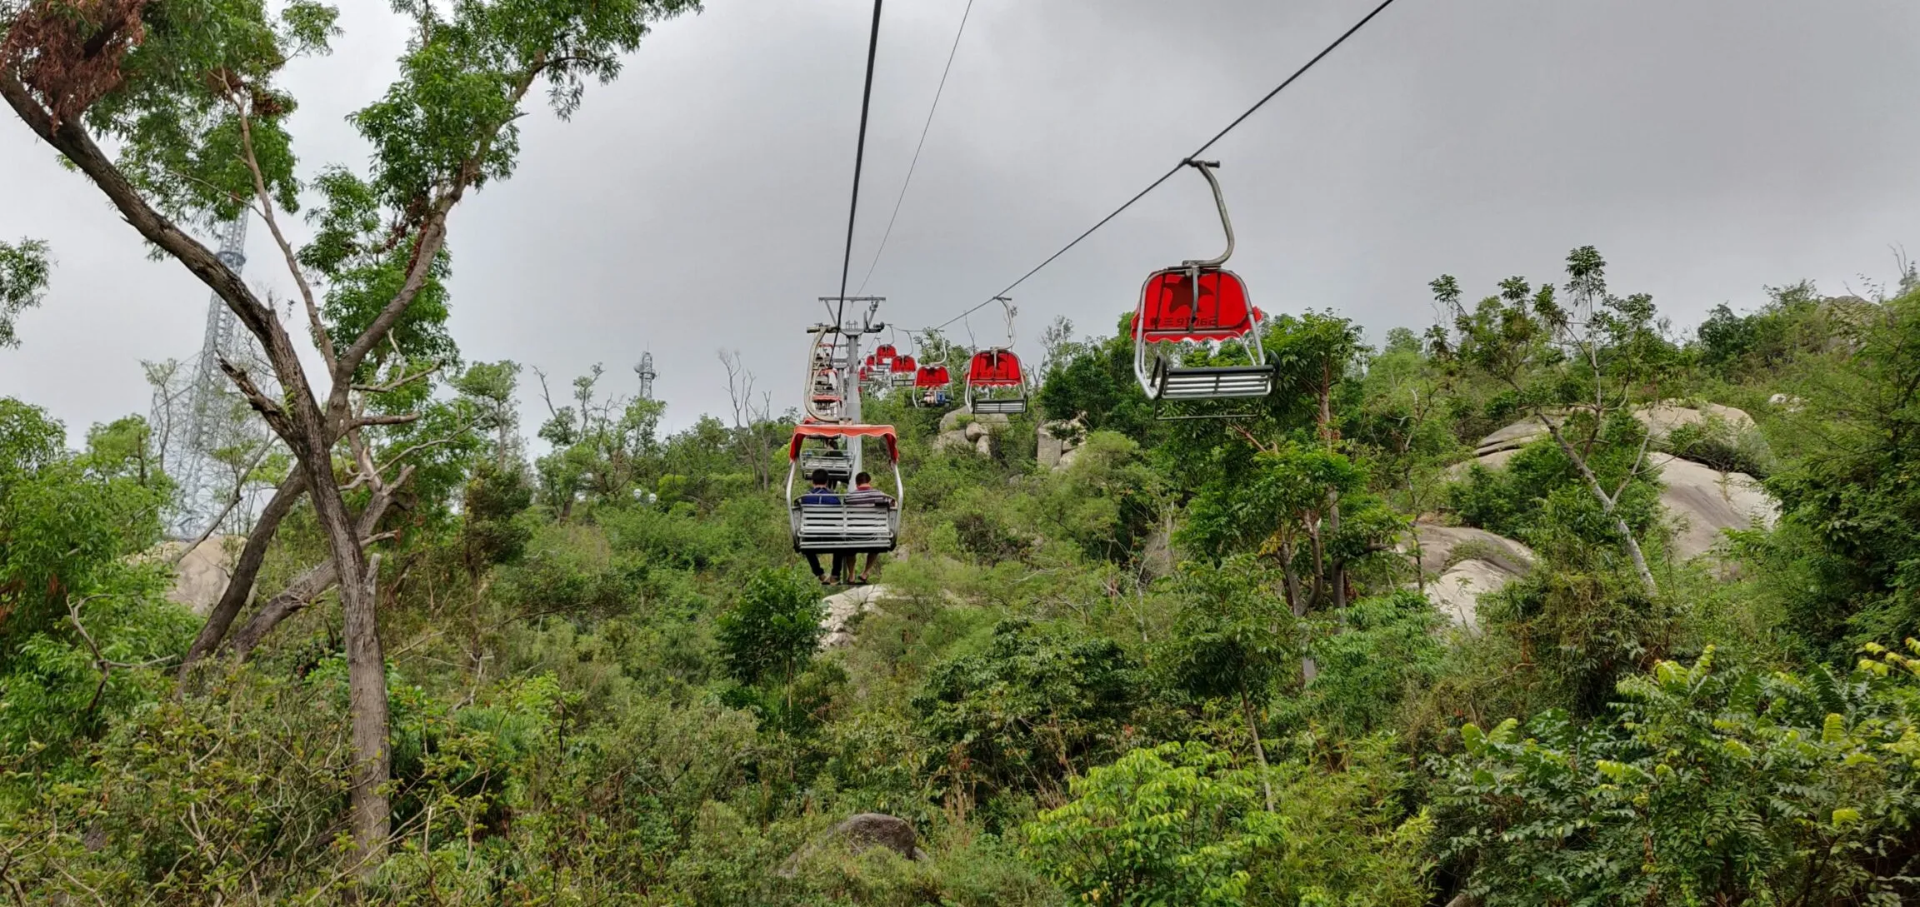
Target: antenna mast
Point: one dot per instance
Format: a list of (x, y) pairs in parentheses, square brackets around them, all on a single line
[(647, 374)]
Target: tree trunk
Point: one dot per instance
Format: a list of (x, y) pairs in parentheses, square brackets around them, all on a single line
[(1607, 504), (1339, 564), (371, 814), (245, 571), (304, 588), (1314, 526), (1296, 597), (1259, 752)]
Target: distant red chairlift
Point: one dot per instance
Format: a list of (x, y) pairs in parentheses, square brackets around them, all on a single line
[(995, 383), (1199, 302), (903, 371), (930, 383)]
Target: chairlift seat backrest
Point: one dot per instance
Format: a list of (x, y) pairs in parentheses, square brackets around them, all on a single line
[(1175, 306), (844, 527), (994, 368)]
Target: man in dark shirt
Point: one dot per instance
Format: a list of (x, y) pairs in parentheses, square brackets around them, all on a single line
[(823, 493), (864, 493)]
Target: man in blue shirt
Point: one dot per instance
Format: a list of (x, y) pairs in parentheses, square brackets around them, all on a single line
[(823, 493)]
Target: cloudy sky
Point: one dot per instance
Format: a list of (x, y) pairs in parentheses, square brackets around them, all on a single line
[(1708, 147)]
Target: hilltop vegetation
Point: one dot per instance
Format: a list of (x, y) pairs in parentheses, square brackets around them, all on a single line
[(1196, 664)]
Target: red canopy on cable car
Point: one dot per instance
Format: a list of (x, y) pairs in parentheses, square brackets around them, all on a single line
[(994, 368), (1171, 311), (932, 376), (840, 430), (904, 365), (884, 352)]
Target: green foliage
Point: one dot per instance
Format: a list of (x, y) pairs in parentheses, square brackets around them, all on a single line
[(1716, 444), (23, 277), (1386, 652), (1539, 496), (1029, 709), (1107, 502), (492, 531), (600, 444), (773, 629), (1283, 501), (1175, 824), (1097, 382), (604, 668), (1705, 786), (67, 523), (1847, 557), (1757, 345), (1234, 638)]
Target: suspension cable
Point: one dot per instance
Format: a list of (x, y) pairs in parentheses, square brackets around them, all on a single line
[(1183, 161), (951, 53), (859, 158)]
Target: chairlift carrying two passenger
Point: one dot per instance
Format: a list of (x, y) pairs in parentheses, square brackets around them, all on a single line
[(1199, 302), (930, 383), (820, 528)]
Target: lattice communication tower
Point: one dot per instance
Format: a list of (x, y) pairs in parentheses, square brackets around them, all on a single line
[(201, 416)]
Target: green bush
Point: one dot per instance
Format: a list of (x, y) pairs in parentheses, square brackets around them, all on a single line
[(1175, 824), (1033, 708), (1705, 786), (773, 629)]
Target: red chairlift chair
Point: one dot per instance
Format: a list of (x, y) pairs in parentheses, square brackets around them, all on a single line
[(995, 383), (1199, 302), (903, 371)]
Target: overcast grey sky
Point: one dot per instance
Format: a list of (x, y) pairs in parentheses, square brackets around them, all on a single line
[(1708, 147)]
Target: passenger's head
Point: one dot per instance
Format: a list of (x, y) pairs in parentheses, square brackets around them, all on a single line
[(863, 479), (820, 477)]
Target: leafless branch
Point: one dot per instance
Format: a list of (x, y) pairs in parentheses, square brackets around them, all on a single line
[(266, 206), (400, 382)]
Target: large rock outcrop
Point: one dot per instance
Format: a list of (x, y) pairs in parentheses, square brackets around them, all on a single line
[(200, 576), (1458, 564), (962, 429), (1661, 419), (1059, 440), (842, 608), (1703, 502), (858, 834)]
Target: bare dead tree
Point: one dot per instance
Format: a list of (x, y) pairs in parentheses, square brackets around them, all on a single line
[(752, 420)]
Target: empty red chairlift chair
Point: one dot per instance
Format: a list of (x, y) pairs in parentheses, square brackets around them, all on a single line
[(903, 371), (1199, 302), (995, 383)]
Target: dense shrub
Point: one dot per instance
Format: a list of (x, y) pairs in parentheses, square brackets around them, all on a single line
[(1031, 709), (1703, 786)]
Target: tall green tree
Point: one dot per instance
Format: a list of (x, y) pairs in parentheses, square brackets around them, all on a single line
[(1567, 364), (187, 93), (1846, 556)]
